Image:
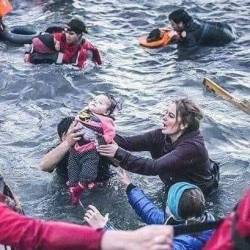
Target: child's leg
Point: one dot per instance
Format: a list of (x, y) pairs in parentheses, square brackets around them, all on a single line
[(73, 168), (89, 165)]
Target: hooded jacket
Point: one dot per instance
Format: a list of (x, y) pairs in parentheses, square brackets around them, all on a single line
[(184, 160)]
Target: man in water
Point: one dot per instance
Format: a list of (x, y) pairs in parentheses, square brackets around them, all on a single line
[(196, 32)]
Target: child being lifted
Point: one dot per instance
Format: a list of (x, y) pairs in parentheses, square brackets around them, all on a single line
[(97, 125)]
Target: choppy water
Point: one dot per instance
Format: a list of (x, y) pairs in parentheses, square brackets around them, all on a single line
[(34, 98)]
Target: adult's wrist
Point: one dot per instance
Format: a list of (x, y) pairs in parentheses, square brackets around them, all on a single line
[(121, 241), (129, 187), (66, 145)]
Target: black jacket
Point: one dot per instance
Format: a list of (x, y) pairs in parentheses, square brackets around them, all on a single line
[(185, 160), (207, 33)]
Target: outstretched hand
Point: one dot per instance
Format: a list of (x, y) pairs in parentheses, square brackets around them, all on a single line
[(108, 150), (124, 178), (94, 218)]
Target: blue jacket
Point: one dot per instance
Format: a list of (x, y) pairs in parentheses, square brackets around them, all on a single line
[(151, 214)]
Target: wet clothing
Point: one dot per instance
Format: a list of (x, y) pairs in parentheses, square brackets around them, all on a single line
[(24, 233), (78, 53), (184, 160), (83, 167), (43, 51), (103, 171), (100, 124), (151, 214), (84, 159), (207, 33)]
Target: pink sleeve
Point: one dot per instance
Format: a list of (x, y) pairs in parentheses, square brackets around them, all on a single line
[(28, 234), (108, 128)]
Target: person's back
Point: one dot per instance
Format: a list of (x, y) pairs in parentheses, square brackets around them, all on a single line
[(185, 205), (198, 32)]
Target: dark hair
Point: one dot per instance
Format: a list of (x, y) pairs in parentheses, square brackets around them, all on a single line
[(115, 104), (77, 26), (154, 35), (180, 15), (64, 125), (192, 203), (189, 113)]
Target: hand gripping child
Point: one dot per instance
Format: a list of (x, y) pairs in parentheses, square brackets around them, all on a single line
[(97, 124)]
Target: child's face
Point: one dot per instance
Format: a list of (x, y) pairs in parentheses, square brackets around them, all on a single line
[(100, 105)]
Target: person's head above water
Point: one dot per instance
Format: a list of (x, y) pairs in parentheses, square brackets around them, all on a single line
[(181, 116), (74, 30), (179, 19), (63, 126), (185, 201), (103, 104)]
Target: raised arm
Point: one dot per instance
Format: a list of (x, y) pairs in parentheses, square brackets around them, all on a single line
[(50, 160), (142, 142), (176, 160), (144, 207), (53, 157)]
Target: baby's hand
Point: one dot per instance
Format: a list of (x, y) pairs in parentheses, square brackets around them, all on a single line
[(57, 45)]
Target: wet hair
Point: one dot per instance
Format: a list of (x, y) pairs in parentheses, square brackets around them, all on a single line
[(189, 113), (77, 26), (115, 104), (192, 203), (154, 35), (64, 125), (180, 15)]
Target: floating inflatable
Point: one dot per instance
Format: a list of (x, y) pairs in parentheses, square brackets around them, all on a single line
[(5, 7), (18, 35), (242, 104), (164, 41)]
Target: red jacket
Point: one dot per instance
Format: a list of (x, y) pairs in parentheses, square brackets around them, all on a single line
[(234, 232), (25, 233), (77, 53)]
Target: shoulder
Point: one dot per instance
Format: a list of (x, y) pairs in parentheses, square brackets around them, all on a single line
[(193, 137), (87, 45)]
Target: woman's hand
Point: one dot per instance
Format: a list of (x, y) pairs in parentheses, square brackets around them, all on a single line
[(108, 150), (94, 218), (124, 178), (73, 134)]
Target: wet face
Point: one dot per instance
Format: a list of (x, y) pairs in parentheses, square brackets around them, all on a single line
[(172, 124), (177, 26), (72, 37), (100, 105)]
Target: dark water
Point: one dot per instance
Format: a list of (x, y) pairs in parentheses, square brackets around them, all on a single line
[(34, 98)]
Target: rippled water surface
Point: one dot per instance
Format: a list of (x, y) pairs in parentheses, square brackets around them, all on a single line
[(34, 98)]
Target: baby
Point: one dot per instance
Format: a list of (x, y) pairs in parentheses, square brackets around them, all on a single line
[(98, 126), (44, 49)]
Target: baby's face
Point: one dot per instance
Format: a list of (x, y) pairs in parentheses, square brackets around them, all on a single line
[(100, 105)]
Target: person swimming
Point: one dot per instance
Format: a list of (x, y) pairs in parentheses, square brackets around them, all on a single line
[(198, 32)]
